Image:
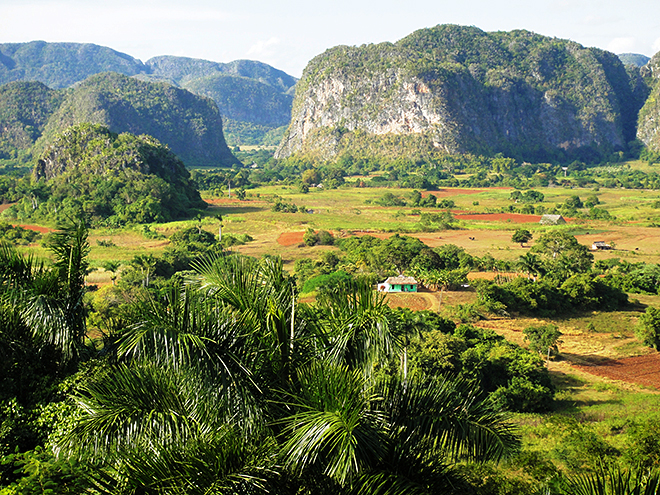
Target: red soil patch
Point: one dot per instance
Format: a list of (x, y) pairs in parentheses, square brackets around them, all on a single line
[(642, 370), (290, 238), (3, 207), (37, 228), (499, 217), (443, 193)]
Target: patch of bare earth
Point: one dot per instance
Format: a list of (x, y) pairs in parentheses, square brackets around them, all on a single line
[(499, 217), (641, 370), (290, 238), (37, 228), (416, 301)]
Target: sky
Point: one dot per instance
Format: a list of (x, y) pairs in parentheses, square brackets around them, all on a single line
[(288, 33)]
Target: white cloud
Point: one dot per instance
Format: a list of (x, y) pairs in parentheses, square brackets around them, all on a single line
[(656, 46), (621, 45), (261, 47)]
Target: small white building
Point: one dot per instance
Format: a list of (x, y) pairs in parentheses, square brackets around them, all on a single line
[(399, 284), (600, 245)]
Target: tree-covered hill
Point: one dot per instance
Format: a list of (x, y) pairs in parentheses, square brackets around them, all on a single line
[(245, 99), (59, 65), (459, 89), (254, 98), (189, 124), (25, 108), (183, 70), (113, 178)]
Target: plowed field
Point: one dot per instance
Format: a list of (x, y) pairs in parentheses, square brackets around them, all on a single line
[(290, 238), (499, 217), (642, 370)]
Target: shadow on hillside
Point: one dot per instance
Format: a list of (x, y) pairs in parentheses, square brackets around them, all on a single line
[(226, 210), (568, 388)]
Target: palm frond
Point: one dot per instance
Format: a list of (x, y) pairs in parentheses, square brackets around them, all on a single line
[(333, 425), (616, 481), (359, 323), (447, 417)]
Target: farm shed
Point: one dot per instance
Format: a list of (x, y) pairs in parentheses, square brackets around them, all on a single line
[(600, 245), (398, 284), (552, 220)]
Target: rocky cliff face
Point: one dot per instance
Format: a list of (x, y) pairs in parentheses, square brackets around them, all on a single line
[(648, 129), (459, 89)]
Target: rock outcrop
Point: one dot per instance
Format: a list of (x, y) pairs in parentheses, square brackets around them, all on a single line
[(648, 129), (459, 89)]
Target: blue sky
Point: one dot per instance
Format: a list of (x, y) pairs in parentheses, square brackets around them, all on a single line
[(287, 34)]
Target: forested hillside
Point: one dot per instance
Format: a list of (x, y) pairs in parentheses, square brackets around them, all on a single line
[(190, 125), (113, 179), (25, 108), (649, 116), (459, 89), (31, 114), (636, 59), (255, 97), (59, 65)]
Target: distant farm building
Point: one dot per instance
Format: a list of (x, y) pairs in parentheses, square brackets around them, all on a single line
[(552, 220), (600, 245), (398, 284)]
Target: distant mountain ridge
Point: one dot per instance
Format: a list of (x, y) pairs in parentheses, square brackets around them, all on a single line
[(268, 91), (458, 89), (636, 59), (33, 114)]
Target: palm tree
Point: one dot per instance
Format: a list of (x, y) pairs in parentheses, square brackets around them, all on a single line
[(390, 438), (227, 385), (50, 300), (357, 321), (153, 429)]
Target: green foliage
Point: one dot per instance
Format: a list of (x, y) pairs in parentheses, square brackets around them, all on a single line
[(547, 296), (582, 449), (543, 338), (41, 473), (562, 255), (615, 481), (648, 328), (114, 179), (515, 378), (282, 206), (327, 282), (521, 236), (15, 234), (321, 238)]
